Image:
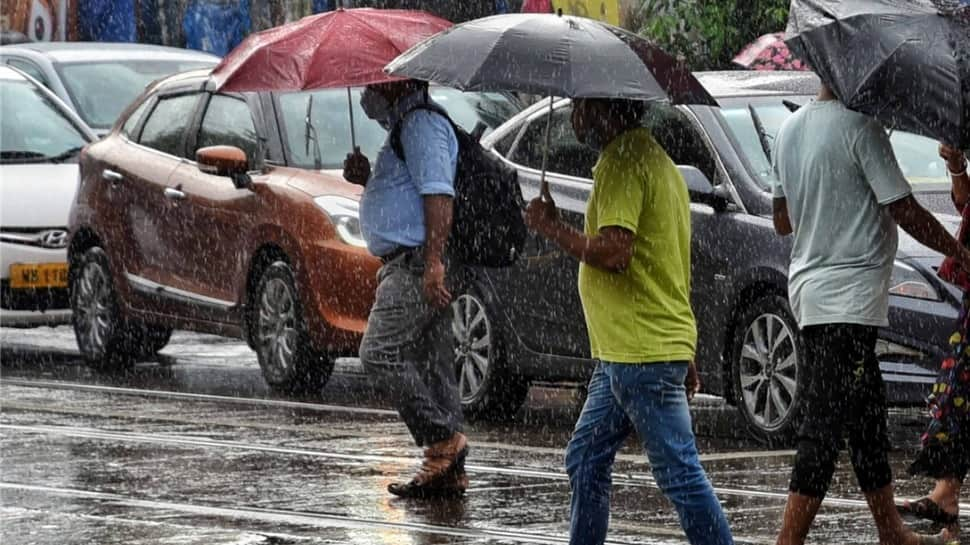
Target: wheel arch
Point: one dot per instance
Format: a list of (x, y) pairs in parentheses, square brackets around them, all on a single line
[(264, 256), (81, 241), (757, 285)]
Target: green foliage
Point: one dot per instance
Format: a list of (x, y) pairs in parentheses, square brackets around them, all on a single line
[(707, 33)]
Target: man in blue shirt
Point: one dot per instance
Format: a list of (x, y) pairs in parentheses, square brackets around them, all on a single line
[(405, 216)]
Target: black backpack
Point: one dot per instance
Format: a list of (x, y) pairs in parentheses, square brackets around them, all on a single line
[(487, 227)]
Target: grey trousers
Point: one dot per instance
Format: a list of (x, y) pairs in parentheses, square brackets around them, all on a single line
[(408, 346)]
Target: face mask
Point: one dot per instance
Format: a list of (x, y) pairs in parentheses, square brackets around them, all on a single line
[(594, 141), (375, 106)]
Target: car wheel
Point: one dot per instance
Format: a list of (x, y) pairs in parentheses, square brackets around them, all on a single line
[(103, 337), (766, 368), (289, 363), (487, 387)]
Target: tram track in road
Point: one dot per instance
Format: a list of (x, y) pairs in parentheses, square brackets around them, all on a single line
[(620, 479), (334, 520), (292, 405), (184, 396)]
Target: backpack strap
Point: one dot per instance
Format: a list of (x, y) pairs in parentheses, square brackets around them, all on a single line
[(396, 145)]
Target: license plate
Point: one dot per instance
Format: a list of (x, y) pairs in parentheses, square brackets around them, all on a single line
[(38, 275)]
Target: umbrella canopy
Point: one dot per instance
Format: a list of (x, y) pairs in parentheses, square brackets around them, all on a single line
[(901, 61), (546, 54), (769, 52), (342, 48)]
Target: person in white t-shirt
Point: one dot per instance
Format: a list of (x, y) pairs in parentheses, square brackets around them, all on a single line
[(842, 194)]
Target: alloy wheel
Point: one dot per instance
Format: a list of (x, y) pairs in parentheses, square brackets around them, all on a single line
[(277, 333), (768, 371), (473, 345), (93, 307)]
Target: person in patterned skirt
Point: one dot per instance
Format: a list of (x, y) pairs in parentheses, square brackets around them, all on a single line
[(945, 455)]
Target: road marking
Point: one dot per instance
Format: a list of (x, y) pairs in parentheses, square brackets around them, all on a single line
[(619, 479), (163, 394), (327, 520)]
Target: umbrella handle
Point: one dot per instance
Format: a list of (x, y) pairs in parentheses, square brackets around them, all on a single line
[(544, 192), (353, 130)]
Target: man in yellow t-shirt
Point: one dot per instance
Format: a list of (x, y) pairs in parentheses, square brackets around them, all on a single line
[(634, 282)]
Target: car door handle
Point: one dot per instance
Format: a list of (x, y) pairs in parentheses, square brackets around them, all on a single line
[(174, 194), (113, 177)]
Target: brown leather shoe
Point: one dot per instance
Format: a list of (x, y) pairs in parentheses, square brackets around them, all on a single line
[(442, 473)]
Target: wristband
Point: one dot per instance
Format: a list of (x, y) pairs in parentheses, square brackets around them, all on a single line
[(957, 174)]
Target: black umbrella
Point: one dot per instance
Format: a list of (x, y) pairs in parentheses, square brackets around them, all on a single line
[(904, 62), (550, 55)]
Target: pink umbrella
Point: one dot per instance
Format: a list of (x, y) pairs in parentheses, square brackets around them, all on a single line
[(537, 6), (769, 52)]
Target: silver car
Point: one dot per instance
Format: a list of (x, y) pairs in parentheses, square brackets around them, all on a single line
[(98, 80), (528, 318)]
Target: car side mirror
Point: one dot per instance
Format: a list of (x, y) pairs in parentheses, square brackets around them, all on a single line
[(700, 188), (228, 161)]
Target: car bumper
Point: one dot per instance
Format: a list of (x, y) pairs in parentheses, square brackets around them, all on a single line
[(26, 318), (343, 281), (911, 349), (31, 307)]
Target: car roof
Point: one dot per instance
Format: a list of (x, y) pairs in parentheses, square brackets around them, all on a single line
[(98, 51), (740, 83)]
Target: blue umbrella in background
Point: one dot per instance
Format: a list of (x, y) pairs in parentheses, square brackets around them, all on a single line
[(216, 26)]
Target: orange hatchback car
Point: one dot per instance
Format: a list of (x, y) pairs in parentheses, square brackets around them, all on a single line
[(227, 214)]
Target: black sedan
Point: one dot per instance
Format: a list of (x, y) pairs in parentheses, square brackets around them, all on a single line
[(525, 324)]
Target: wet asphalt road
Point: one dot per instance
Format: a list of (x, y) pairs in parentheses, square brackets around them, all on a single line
[(194, 449)]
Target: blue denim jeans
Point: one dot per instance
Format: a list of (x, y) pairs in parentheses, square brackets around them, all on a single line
[(651, 400)]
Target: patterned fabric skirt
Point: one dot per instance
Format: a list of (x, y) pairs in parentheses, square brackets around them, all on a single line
[(946, 443)]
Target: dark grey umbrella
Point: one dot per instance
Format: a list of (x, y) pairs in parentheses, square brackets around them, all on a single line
[(905, 62), (550, 55)]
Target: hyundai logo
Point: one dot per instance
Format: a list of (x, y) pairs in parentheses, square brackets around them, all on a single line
[(55, 239)]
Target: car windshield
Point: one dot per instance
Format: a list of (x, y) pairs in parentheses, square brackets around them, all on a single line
[(917, 155), (33, 129), (89, 83), (331, 121)]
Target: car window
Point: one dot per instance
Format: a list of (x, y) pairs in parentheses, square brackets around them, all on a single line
[(165, 128), (228, 122), (33, 128), (679, 137), (918, 156), (330, 119), (566, 154), (740, 122), (30, 69), (88, 83), (128, 129), (504, 145), (470, 109)]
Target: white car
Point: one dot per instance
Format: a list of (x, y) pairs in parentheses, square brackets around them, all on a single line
[(40, 140)]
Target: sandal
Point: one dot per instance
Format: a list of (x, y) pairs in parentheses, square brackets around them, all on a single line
[(927, 509), (937, 539)]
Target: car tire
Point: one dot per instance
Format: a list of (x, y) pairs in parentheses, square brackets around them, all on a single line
[(289, 363), (489, 390), (767, 358), (106, 341)]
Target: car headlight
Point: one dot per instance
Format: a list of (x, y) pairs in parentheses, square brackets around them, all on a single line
[(344, 213), (906, 281)]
